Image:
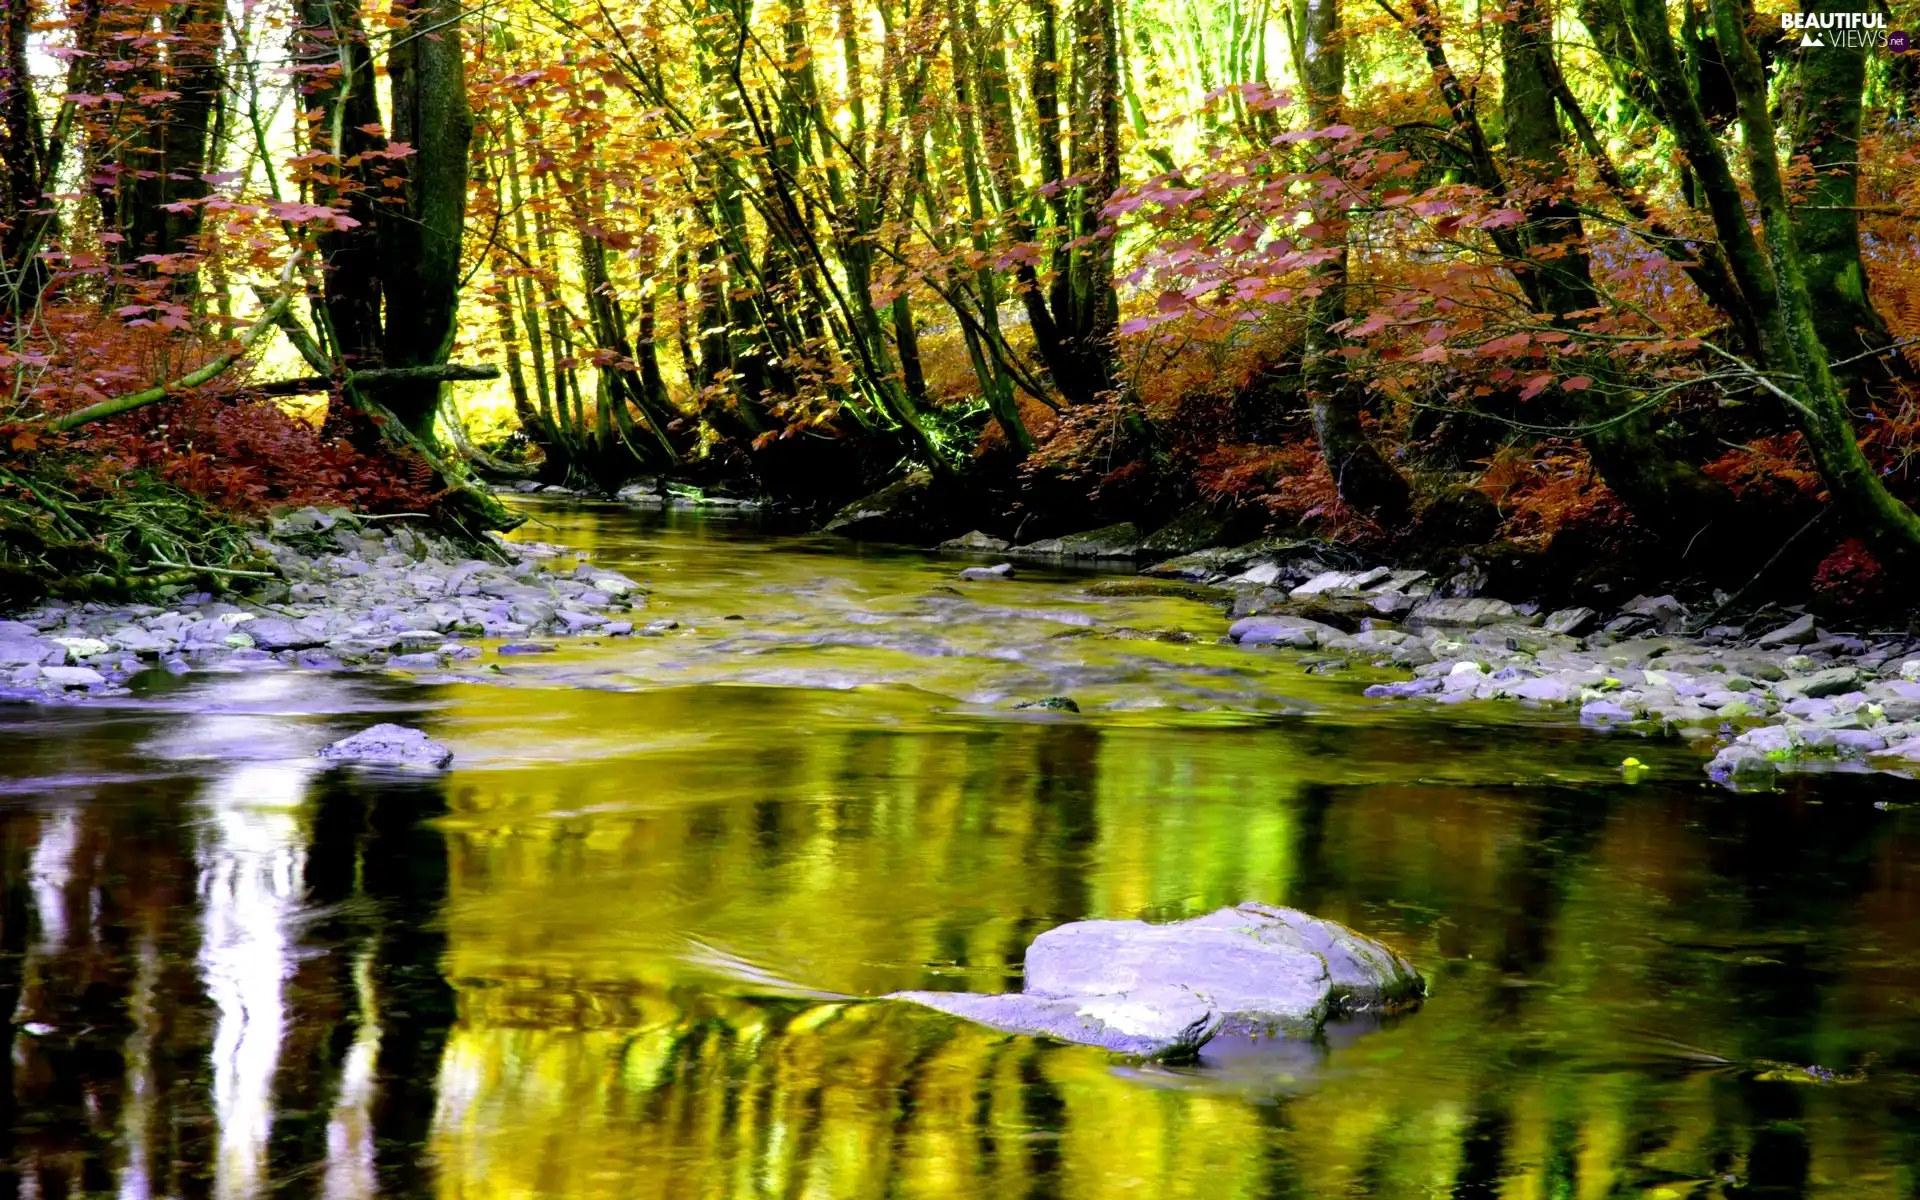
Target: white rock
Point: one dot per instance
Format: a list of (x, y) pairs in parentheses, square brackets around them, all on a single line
[(389, 745), (73, 677)]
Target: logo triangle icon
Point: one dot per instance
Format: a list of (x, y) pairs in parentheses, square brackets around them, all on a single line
[(1811, 39)]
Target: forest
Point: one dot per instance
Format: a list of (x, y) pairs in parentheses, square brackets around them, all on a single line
[(1614, 287)]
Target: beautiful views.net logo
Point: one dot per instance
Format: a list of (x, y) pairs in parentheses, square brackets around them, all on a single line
[(1855, 31)]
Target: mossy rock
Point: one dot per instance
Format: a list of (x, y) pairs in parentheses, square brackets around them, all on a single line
[(1146, 586)]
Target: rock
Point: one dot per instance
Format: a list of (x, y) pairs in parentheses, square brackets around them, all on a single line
[(1164, 1023), (1463, 613), (1111, 541), (1259, 574), (1571, 621), (389, 746), (658, 628), (1666, 613), (975, 543), (513, 648), (1162, 991), (1832, 682), (1346, 581), (29, 651), (1177, 588), (82, 647), (1410, 687), (1050, 704), (1297, 632), (1737, 764), (272, 633), (900, 510), (1798, 632), (578, 622), (1196, 527), (987, 574), (1604, 712), (73, 677), (1541, 691), (613, 583)]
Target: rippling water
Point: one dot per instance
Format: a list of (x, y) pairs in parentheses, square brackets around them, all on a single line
[(620, 950)]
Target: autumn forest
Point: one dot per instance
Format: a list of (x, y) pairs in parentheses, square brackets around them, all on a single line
[(1611, 282)]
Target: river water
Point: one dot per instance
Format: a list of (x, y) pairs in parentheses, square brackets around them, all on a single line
[(617, 951)]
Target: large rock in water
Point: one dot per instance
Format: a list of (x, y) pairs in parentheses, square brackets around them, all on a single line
[(389, 746), (1163, 991)]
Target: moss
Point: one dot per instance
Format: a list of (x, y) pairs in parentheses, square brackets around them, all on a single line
[(1179, 589)]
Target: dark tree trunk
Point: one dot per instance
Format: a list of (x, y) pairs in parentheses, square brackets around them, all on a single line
[(161, 162), (430, 114), (1367, 481), (332, 34), (21, 146)]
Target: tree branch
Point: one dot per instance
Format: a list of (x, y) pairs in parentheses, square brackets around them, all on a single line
[(192, 379), (378, 376)]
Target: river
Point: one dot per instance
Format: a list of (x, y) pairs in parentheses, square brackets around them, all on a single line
[(616, 951)]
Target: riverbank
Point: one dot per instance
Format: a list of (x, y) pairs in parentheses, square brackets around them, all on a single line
[(345, 592), (1768, 691)]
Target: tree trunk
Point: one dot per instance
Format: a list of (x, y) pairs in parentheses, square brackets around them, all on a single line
[(430, 114), (1367, 481), (332, 41), (20, 146), (1826, 224), (1793, 364)]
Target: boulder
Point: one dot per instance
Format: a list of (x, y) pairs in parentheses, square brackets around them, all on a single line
[(1146, 586), (1666, 613), (1110, 541), (73, 677), (987, 574), (1464, 613), (1194, 529), (1541, 691), (1162, 991), (974, 543), (389, 746), (1832, 682), (1571, 621), (897, 511), (1798, 632), (1297, 632), (29, 652), (272, 633), (1344, 581)]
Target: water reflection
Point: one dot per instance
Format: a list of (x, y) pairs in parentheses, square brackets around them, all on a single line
[(636, 969), (251, 861)]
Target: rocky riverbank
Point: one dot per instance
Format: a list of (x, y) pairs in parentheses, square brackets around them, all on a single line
[(1768, 692), (343, 592)]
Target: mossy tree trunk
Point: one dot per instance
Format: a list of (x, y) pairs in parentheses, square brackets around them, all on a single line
[(1367, 481), (429, 85), (1772, 277), (1665, 492), (1831, 81)]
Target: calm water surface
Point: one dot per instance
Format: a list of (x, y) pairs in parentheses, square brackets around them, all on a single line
[(617, 951)]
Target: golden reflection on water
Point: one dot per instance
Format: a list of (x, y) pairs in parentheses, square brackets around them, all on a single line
[(631, 951)]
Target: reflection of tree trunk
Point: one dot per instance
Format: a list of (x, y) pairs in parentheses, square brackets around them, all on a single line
[(13, 952), (1483, 1148), (1067, 765)]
